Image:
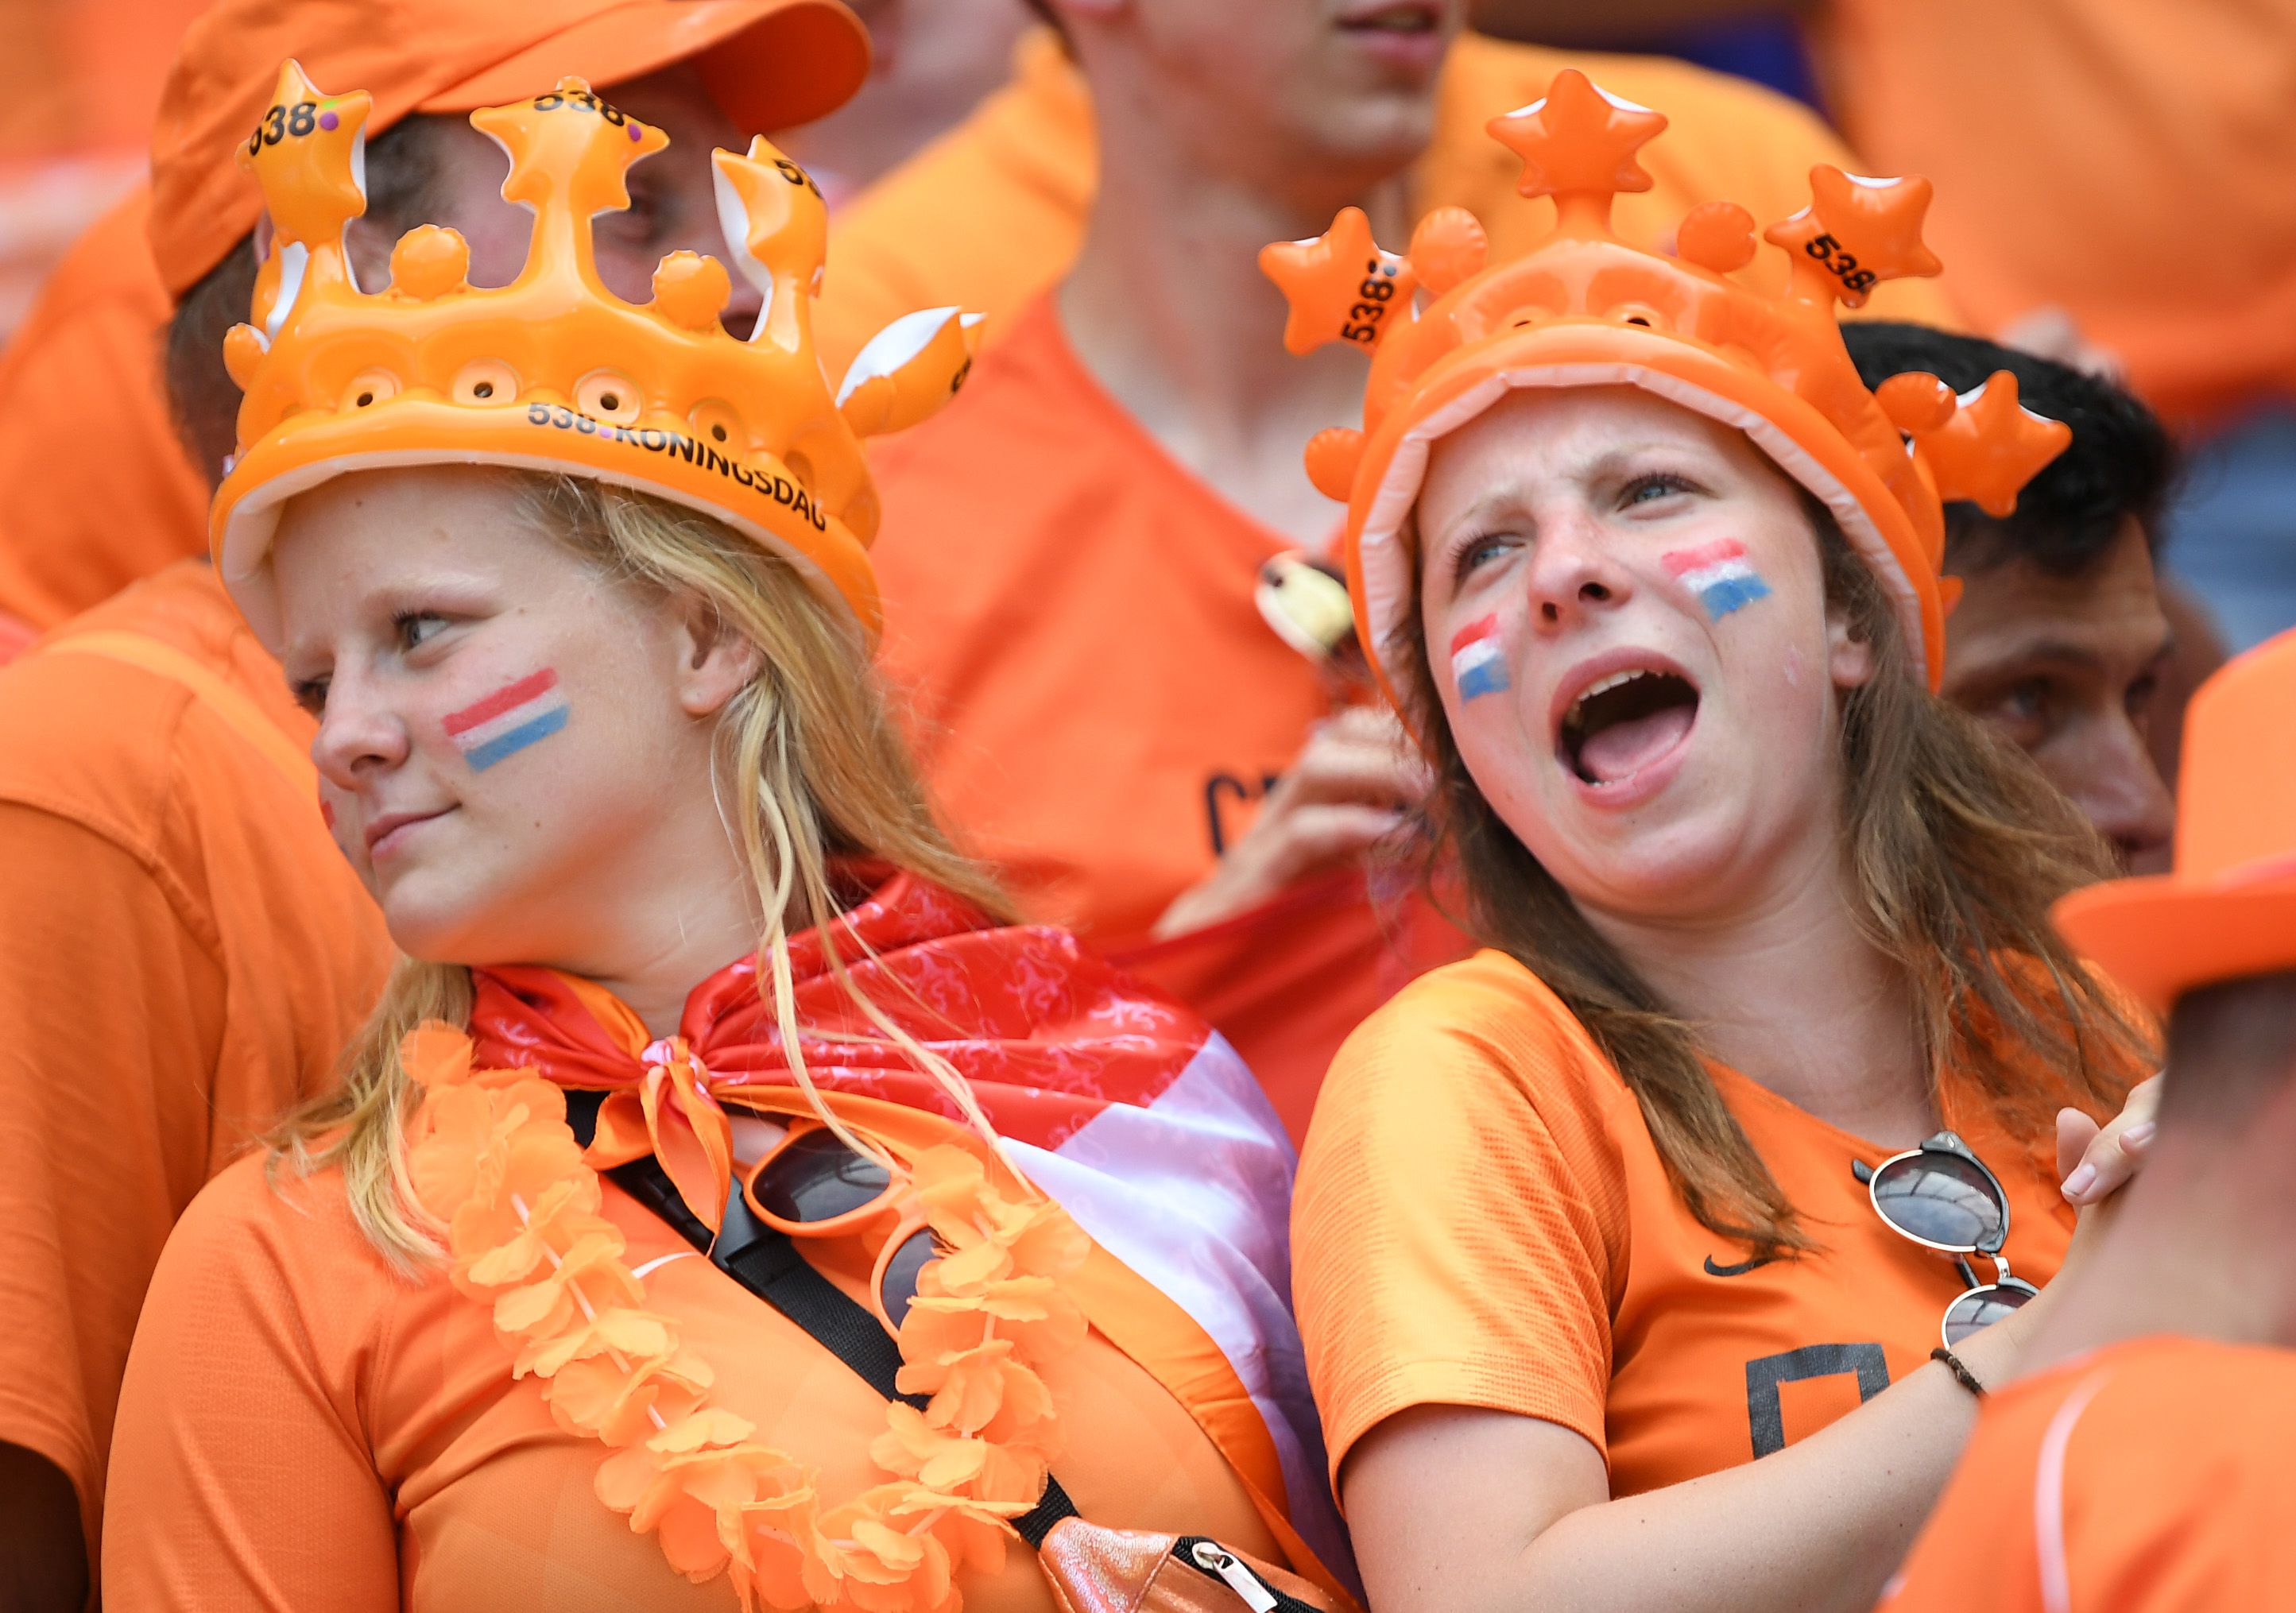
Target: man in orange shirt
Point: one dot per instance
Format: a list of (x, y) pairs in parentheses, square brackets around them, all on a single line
[(2061, 639), (183, 950), (2140, 1461), (1071, 561)]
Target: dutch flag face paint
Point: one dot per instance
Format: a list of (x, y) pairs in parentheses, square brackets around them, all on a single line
[(1478, 667), (509, 720), (1719, 574)]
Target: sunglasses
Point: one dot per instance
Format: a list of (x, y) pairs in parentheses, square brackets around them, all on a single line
[(812, 1185), (1942, 1196)]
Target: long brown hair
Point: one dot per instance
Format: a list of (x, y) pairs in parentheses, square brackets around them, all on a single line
[(1956, 847), (817, 773)]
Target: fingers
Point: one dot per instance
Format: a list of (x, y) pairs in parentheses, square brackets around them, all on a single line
[(1360, 755), (2075, 1132), (1280, 850), (2114, 1153), (1352, 785), (1309, 838)]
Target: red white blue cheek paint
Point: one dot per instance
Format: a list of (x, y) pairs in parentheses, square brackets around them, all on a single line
[(509, 720), (1478, 664), (1719, 573)]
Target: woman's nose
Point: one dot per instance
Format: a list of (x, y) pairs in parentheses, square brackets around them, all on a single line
[(358, 735), (1572, 574)]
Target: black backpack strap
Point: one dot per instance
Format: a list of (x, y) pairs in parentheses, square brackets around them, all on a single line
[(769, 1265)]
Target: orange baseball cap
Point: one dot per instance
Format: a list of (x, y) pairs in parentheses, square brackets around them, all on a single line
[(2229, 908), (1585, 308), (770, 63)]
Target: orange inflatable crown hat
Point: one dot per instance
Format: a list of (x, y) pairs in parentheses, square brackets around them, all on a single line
[(1584, 308), (2228, 911), (554, 372)]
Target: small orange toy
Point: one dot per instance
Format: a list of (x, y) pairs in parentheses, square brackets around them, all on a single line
[(1584, 308), (554, 372)]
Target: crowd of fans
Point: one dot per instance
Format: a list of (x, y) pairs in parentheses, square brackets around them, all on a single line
[(723, 884)]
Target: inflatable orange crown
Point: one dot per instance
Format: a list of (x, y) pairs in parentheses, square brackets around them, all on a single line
[(554, 372), (1585, 308)]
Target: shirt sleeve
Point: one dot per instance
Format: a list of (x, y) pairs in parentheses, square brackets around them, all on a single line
[(242, 1476), (1459, 1229), (110, 1015)]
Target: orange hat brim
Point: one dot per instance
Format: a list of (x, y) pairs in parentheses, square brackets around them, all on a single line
[(770, 64), (2162, 936)]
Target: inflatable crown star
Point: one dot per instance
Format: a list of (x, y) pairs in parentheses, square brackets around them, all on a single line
[(554, 372), (1584, 308)]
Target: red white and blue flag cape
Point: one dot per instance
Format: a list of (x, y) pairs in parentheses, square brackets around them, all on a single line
[(1131, 1111)]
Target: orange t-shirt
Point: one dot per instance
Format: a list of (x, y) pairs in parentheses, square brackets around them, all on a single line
[(989, 216), (94, 489), (2149, 1476), (183, 951), (305, 1430), (1482, 1220), (2124, 160), (1099, 707)]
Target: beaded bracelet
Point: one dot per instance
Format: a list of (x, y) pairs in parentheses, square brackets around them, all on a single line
[(1961, 1373)]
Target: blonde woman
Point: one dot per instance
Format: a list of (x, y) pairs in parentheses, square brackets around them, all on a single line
[(1656, 1255), (579, 593)]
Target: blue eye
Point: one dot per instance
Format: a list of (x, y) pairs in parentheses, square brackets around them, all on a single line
[(1657, 485), (1482, 549)]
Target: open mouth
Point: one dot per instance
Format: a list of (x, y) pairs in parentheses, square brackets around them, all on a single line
[(1409, 17), (1620, 724)]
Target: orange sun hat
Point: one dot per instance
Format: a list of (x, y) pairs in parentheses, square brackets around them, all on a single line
[(1583, 308), (770, 64), (552, 371), (2229, 908)]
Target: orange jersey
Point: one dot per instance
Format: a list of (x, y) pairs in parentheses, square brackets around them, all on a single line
[(1482, 1220), (1098, 705), (2121, 161), (2144, 1478), (181, 953), (305, 1430), (990, 214), (94, 489)]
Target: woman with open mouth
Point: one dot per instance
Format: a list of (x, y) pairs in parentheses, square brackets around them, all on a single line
[(728, 1205), (1653, 1257)]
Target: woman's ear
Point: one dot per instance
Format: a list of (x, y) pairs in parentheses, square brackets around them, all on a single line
[(1849, 659), (715, 663)]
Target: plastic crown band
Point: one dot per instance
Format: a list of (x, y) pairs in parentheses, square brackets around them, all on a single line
[(554, 372), (1585, 308)]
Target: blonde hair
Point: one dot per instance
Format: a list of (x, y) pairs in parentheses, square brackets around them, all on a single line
[(1954, 846), (819, 772)]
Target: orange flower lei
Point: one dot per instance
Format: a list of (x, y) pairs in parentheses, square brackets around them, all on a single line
[(492, 1157)]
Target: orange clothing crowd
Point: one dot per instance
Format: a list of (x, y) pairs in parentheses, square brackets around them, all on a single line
[(1112, 712)]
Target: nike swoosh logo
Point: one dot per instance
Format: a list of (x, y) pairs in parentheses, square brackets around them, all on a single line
[(1739, 1270)]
